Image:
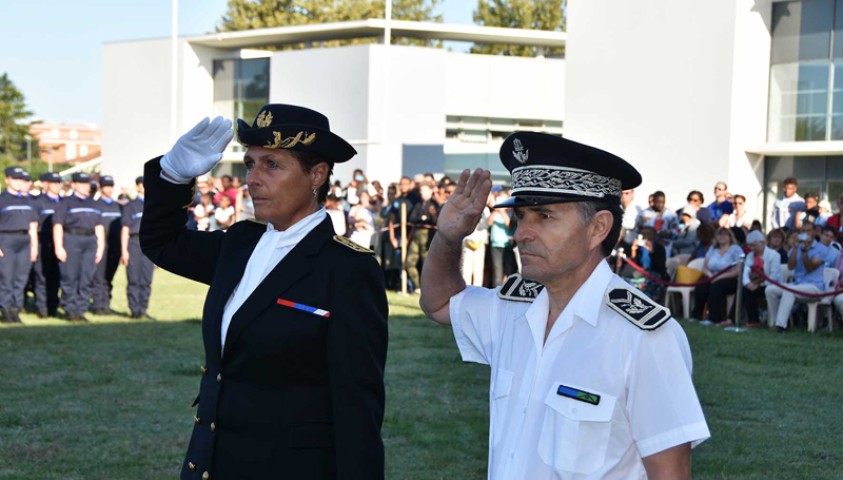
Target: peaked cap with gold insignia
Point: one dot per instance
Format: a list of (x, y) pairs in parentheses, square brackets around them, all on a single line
[(550, 169), (291, 127)]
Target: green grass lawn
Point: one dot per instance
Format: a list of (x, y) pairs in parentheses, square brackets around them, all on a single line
[(111, 399)]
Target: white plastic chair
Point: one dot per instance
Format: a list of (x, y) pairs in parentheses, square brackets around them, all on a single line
[(830, 276), (696, 264)]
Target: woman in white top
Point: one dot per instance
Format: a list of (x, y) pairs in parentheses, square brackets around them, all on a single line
[(724, 253), (760, 258), (740, 217), (362, 221)]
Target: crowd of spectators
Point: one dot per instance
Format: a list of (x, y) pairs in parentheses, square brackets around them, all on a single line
[(656, 238), (803, 241)]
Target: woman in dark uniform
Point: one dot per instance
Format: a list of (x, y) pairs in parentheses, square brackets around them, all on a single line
[(294, 323)]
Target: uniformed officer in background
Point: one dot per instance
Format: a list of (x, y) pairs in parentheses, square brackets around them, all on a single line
[(46, 268), (139, 268), (79, 238), (111, 214), (26, 184), (18, 244), (590, 379)]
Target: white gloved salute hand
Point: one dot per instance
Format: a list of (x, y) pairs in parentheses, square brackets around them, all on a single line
[(198, 150)]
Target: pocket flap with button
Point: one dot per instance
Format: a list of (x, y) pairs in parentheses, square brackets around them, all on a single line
[(502, 383), (579, 410)]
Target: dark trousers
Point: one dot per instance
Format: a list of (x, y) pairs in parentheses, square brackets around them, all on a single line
[(503, 263), (77, 273), (46, 280), (139, 275), (751, 303), (713, 294), (15, 265), (101, 290), (417, 252)]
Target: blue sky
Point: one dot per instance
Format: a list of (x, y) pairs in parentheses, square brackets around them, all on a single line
[(52, 50)]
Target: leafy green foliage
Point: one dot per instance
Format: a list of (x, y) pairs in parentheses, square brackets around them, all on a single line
[(252, 14), (527, 14), (13, 113)]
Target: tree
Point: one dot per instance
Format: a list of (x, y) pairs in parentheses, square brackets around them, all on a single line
[(528, 14), (12, 113), (251, 14)]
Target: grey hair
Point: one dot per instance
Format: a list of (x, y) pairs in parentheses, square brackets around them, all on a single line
[(589, 208)]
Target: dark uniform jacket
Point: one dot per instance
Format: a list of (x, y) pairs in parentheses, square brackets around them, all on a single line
[(294, 394)]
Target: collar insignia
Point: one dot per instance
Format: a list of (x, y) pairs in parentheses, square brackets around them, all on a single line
[(519, 152), (636, 307), (264, 119), (517, 289), (348, 243)]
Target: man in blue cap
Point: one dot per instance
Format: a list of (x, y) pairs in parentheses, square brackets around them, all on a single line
[(111, 214), (139, 268), (80, 242), (590, 378), (46, 268), (18, 244)]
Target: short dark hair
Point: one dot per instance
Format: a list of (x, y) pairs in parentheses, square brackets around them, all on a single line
[(589, 208), (791, 181), (697, 193), (812, 195), (309, 160), (658, 193), (829, 228)]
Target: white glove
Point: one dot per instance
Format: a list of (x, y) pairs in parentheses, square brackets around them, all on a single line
[(198, 150)]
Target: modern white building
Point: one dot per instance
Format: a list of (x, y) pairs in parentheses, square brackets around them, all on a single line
[(746, 91), (406, 109)]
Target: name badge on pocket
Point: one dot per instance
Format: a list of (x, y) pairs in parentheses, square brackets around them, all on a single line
[(305, 308), (580, 395)]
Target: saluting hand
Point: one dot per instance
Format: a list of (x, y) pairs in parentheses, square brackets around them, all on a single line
[(461, 213), (198, 150)]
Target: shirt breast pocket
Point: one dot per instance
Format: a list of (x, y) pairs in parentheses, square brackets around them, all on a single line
[(501, 395), (575, 434)]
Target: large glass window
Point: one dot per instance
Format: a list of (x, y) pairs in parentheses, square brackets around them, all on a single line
[(821, 175), (241, 88), (806, 73)]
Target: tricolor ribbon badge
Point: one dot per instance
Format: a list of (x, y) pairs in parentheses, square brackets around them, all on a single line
[(305, 308)]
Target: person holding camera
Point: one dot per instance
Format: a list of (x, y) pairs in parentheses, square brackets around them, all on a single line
[(806, 260)]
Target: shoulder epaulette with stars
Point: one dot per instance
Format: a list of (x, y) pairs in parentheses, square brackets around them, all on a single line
[(348, 243), (519, 289), (636, 307)]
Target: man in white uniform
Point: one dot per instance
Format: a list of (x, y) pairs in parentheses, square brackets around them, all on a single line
[(590, 378)]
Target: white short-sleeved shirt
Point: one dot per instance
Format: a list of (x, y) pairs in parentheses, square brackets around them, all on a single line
[(647, 402)]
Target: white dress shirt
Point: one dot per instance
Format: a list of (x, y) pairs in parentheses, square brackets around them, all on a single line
[(272, 247), (647, 399)]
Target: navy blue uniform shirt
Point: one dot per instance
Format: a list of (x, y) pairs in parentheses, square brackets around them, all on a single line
[(16, 212), (110, 209), (46, 206), (78, 213), (132, 213)]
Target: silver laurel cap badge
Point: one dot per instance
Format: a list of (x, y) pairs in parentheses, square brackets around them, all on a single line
[(519, 153)]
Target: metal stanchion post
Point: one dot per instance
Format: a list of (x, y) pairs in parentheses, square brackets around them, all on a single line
[(403, 246), (619, 260), (738, 298)]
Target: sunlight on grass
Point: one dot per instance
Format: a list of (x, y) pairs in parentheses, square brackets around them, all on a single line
[(110, 399)]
